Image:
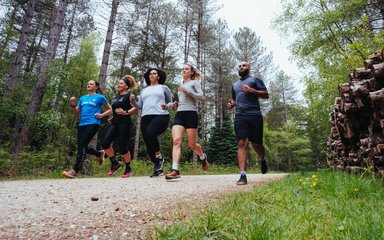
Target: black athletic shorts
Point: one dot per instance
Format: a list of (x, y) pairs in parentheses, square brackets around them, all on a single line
[(249, 126), (187, 119)]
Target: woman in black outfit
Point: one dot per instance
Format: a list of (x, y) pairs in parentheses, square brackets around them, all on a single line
[(121, 126)]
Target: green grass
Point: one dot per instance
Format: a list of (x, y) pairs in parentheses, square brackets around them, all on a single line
[(338, 206)]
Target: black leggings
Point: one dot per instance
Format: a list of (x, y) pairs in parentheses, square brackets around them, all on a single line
[(151, 127), (120, 131), (84, 137)]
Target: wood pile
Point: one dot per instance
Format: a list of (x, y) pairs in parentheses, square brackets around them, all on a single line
[(356, 141)]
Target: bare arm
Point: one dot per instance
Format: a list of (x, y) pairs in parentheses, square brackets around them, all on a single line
[(105, 113), (75, 108)]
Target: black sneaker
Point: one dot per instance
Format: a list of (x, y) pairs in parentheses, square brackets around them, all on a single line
[(115, 165), (263, 167), (157, 173), (159, 164), (242, 180)]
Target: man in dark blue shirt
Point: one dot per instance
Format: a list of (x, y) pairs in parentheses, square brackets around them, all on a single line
[(248, 119)]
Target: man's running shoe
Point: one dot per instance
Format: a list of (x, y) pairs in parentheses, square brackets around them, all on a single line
[(172, 175), (101, 158), (204, 163), (127, 173), (157, 173), (115, 165), (242, 180), (69, 174), (263, 167)]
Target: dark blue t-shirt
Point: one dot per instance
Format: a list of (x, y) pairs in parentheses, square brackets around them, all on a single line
[(90, 105), (247, 103)]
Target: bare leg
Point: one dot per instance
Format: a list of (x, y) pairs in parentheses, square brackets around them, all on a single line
[(260, 150), (127, 157), (242, 153), (177, 138), (192, 141), (109, 151)]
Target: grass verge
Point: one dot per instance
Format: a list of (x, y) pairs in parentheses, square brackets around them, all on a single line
[(321, 205)]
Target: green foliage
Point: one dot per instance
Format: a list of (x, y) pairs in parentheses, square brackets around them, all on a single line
[(287, 148), (82, 67), (5, 163), (301, 206), (43, 127), (221, 146)]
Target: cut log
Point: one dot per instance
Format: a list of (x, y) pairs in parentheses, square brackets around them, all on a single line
[(380, 148), (359, 102), (362, 88), (362, 73), (382, 123), (344, 88), (377, 96), (378, 71)]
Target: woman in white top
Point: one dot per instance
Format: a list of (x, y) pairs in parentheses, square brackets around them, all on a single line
[(186, 119), (153, 102)]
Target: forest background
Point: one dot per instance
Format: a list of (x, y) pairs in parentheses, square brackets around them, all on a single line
[(48, 52)]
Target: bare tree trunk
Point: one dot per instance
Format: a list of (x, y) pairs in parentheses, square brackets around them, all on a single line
[(186, 36), (380, 4), (108, 44), (34, 106), (163, 53), (145, 57), (124, 59), (70, 30), (31, 61), (15, 69)]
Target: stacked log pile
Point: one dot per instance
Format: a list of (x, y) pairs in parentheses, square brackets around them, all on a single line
[(356, 141)]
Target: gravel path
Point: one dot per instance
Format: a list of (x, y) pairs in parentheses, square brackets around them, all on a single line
[(107, 208)]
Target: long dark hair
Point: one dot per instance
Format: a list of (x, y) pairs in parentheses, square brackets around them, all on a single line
[(98, 90)]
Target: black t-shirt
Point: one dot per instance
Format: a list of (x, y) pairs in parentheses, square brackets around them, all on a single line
[(121, 101)]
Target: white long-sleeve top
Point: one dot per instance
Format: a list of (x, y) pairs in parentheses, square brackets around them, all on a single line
[(151, 98), (189, 99)]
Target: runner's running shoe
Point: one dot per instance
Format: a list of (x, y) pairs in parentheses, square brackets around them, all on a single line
[(101, 158), (204, 163), (69, 174), (172, 175), (115, 165), (242, 180)]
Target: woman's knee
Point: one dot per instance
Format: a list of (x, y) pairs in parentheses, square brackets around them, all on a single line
[(177, 141)]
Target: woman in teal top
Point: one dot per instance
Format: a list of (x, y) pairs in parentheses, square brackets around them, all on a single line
[(89, 107)]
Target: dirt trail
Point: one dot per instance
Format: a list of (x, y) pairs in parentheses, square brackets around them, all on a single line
[(125, 208)]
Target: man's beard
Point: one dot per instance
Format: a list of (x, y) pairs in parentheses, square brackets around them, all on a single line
[(244, 73)]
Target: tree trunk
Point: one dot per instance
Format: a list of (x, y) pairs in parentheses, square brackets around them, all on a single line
[(141, 86), (108, 44), (380, 4), (70, 29), (38, 91), (15, 69)]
